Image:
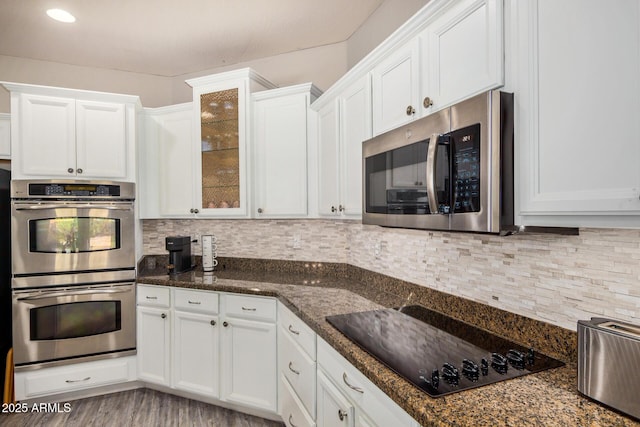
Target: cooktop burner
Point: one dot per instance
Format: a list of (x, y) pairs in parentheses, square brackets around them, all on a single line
[(438, 354)]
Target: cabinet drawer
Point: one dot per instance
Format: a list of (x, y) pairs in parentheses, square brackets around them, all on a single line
[(360, 390), (291, 409), (74, 377), (195, 301), (248, 307), (154, 296), (300, 370), (297, 330)]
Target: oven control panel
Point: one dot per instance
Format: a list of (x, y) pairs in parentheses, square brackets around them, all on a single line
[(52, 189)]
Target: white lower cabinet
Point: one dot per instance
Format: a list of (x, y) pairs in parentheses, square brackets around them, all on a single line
[(69, 378), (195, 342), (344, 394), (334, 409), (248, 351), (297, 368), (154, 334)]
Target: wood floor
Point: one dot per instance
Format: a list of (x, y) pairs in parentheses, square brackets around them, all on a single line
[(140, 407)]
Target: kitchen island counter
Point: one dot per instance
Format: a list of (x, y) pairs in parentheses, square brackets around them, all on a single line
[(315, 290)]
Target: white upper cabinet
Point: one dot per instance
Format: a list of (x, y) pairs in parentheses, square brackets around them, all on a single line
[(577, 160), (280, 151), (222, 130), (328, 160), (342, 127), (70, 133), (462, 53), (355, 127), (396, 88), (5, 136), (166, 187)]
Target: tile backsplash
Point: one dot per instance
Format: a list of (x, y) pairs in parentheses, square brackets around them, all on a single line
[(554, 278)]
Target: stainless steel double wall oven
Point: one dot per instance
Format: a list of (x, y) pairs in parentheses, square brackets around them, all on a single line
[(73, 285)]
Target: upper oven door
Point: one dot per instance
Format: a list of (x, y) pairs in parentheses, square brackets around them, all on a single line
[(66, 236), (406, 176)]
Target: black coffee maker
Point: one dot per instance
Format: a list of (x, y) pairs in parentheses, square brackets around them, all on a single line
[(179, 248)]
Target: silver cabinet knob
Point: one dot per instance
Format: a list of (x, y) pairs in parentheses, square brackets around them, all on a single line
[(427, 102), (213, 323), (225, 324), (79, 170), (342, 414), (192, 210), (410, 111), (333, 209), (341, 208), (196, 210), (259, 210), (164, 316), (70, 170)]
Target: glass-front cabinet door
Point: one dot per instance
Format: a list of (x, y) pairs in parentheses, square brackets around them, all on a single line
[(221, 114), (220, 158)]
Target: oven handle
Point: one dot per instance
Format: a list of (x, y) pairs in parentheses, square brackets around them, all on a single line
[(128, 207), (432, 153), (91, 291)]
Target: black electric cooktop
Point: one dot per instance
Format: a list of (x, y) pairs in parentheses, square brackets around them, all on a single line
[(436, 353)]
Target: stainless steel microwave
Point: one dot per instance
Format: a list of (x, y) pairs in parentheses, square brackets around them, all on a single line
[(451, 170)]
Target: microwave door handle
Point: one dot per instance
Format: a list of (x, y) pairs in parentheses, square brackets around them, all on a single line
[(432, 153), (54, 294)]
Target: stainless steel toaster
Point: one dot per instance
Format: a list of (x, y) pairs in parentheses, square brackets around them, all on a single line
[(609, 363)]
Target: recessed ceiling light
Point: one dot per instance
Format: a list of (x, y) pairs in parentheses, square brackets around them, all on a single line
[(61, 15)]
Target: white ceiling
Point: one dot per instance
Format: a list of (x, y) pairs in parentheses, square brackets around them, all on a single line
[(174, 37)]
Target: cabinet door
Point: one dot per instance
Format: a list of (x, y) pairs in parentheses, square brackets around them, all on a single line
[(220, 157), (328, 161), (249, 369), (101, 140), (154, 345), (280, 144), (396, 94), (5, 136), (46, 144), (577, 115), (462, 52), (334, 410), (355, 127), (175, 147), (195, 353)]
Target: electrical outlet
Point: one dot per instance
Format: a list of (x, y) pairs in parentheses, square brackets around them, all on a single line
[(295, 241)]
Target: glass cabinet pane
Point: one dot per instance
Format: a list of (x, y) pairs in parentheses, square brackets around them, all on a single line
[(220, 149)]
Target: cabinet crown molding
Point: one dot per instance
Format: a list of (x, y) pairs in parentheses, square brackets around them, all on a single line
[(230, 75), (289, 90), (88, 95)]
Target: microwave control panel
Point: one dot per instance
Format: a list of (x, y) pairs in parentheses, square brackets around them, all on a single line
[(466, 169)]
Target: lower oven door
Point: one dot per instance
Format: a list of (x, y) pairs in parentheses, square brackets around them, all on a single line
[(59, 324)]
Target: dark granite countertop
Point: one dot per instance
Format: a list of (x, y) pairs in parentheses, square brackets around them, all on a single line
[(316, 290)]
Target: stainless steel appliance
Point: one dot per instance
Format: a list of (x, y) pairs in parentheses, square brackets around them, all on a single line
[(436, 353), (71, 226), (5, 270), (73, 284), (179, 248), (451, 170), (609, 363)]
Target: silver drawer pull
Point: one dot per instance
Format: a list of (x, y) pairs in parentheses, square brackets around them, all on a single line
[(293, 370), (291, 422), (148, 297), (344, 378), (77, 381), (293, 331), (248, 309), (194, 302)]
